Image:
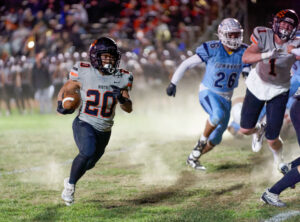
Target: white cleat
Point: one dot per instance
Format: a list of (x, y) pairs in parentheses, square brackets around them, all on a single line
[(272, 199), (68, 192), (195, 164), (257, 138)]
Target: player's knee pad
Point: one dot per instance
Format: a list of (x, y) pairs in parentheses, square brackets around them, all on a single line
[(217, 116)]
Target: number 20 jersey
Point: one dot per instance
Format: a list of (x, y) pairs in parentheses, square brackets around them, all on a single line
[(222, 69), (275, 71), (98, 103)]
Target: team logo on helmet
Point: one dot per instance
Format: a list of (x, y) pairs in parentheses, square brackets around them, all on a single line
[(289, 16)]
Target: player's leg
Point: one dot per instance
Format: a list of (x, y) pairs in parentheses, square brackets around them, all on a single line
[(212, 104), (295, 117), (251, 111), (102, 141), (275, 114), (84, 136), (215, 137), (271, 196)]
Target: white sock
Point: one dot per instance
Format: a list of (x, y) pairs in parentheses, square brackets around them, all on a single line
[(203, 138), (277, 155)]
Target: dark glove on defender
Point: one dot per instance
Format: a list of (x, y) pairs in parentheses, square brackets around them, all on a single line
[(171, 90)]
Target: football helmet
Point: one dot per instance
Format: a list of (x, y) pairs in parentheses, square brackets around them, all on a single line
[(226, 29), (104, 45), (289, 16)]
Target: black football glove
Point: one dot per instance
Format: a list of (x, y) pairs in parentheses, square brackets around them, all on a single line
[(62, 110), (171, 90), (117, 92)]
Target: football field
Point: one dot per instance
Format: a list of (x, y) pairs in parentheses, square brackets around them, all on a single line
[(142, 176)]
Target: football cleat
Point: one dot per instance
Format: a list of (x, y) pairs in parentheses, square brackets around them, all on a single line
[(257, 138), (193, 158), (195, 164), (68, 192), (272, 199)]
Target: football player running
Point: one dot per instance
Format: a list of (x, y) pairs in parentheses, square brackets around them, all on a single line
[(102, 85), (269, 82), (224, 64), (291, 170)]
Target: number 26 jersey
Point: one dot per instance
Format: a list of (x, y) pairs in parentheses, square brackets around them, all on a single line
[(222, 69)]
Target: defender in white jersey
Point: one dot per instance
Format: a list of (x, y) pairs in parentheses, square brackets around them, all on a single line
[(102, 85), (269, 82)]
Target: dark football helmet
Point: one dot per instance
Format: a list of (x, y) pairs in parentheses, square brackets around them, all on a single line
[(104, 45), (289, 16)]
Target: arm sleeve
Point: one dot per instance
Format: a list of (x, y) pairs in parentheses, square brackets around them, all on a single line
[(186, 64)]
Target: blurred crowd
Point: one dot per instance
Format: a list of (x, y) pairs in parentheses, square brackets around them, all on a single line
[(41, 39)]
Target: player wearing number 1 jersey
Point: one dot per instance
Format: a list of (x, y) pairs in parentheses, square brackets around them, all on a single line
[(102, 85), (269, 82), (223, 67)]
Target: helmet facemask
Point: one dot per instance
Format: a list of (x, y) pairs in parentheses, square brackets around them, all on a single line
[(230, 33), (108, 68)]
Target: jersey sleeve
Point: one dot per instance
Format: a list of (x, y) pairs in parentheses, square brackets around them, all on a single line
[(128, 80), (203, 52), (74, 73), (296, 42), (258, 36)]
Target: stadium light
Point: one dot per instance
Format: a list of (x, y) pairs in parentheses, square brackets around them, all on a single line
[(30, 44)]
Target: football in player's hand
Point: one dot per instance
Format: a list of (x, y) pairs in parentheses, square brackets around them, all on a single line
[(71, 97)]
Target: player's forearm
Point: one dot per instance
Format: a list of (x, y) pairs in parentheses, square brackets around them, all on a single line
[(251, 57), (186, 64), (127, 106)]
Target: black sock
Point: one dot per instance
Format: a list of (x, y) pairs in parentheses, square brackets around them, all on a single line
[(78, 168), (295, 162), (289, 179)]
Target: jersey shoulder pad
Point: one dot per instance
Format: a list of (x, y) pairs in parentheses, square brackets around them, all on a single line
[(78, 69), (127, 78), (214, 44), (208, 49), (85, 65), (260, 34), (124, 71)]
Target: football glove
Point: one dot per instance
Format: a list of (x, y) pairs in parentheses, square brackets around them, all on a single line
[(62, 110), (271, 54), (117, 93), (171, 90)]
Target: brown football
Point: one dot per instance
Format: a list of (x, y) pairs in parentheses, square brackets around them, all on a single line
[(71, 97)]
